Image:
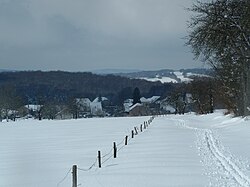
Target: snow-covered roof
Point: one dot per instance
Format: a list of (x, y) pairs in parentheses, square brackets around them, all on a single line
[(97, 99), (150, 100), (127, 106), (83, 100), (135, 105), (143, 100), (33, 107)]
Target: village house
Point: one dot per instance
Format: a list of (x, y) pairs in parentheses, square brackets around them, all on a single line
[(148, 106), (138, 109), (88, 108)]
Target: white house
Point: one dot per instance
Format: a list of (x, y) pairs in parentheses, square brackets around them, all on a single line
[(83, 103), (127, 104), (93, 108), (96, 108)]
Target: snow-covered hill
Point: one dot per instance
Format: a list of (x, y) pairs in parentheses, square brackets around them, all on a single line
[(168, 75), (187, 150)]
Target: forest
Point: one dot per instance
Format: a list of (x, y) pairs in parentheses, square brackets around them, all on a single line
[(59, 86)]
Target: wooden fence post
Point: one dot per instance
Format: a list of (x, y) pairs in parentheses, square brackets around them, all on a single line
[(115, 150), (74, 176), (136, 132), (132, 134), (126, 140), (141, 127), (99, 159)]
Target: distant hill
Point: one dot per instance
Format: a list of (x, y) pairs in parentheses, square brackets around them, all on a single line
[(6, 70), (114, 71), (168, 75), (60, 86)]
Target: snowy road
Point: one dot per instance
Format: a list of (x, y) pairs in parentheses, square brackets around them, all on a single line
[(188, 150)]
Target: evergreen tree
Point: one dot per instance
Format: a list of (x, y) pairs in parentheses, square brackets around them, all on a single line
[(136, 96)]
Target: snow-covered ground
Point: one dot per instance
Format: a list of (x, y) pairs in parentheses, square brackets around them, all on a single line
[(180, 76), (187, 150), (161, 79)]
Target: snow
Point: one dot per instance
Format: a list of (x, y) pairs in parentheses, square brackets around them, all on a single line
[(83, 101), (175, 150), (33, 107), (97, 99), (135, 105), (168, 108), (196, 75), (149, 100), (96, 108), (161, 79), (180, 76), (127, 106)]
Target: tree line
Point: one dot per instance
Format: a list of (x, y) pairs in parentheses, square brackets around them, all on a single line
[(57, 91), (60, 86), (202, 95)]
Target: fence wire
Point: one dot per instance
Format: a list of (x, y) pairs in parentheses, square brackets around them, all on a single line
[(121, 142), (58, 184), (107, 159), (110, 154), (89, 168)]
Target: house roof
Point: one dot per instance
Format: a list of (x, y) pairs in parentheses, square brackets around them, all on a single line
[(83, 100), (97, 99), (150, 100), (33, 107), (134, 106)]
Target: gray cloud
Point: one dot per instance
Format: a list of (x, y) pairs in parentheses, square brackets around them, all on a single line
[(79, 35)]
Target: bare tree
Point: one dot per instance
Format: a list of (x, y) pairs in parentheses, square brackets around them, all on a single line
[(49, 110), (10, 103), (202, 92), (177, 99), (220, 34)]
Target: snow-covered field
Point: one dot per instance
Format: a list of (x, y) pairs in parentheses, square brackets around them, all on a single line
[(188, 150), (179, 75), (161, 79)]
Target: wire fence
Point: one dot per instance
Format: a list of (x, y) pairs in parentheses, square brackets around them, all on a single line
[(64, 178), (109, 155), (89, 168)]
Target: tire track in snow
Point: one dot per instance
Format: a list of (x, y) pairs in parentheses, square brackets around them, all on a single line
[(228, 165)]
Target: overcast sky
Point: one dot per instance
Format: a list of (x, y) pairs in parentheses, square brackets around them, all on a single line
[(83, 35)]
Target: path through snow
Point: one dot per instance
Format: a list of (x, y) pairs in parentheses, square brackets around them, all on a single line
[(222, 167)]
